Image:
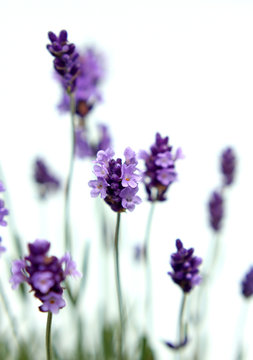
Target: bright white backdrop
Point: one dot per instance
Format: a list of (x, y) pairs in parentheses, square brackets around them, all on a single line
[(183, 68)]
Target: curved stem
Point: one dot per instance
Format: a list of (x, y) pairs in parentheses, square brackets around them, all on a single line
[(48, 336), (148, 300), (118, 286), (67, 233)]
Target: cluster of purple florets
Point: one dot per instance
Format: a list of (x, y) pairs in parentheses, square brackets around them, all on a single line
[(85, 148), (3, 211), (44, 274), (90, 75), (216, 202), (117, 182), (66, 62), (46, 181), (185, 267), (160, 170)]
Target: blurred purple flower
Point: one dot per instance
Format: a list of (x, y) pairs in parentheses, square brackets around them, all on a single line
[(247, 284), (44, 274), (2, 248), (46, 181), (84, 147), (87, 93), (228, 166), (216, 210), (185, 267), (3, 212)]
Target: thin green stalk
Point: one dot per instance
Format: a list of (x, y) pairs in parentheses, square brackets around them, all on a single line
[(148, 300), (48, 336), (67, 233), (9, 313), (118, 286), (181, 322), (240, 329)]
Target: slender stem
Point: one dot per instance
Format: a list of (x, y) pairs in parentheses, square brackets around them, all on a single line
[(240, 330), (118, 285), (9, 313), (67, 234), (181, 319), (148, 300), (48, 336), (181, 322)]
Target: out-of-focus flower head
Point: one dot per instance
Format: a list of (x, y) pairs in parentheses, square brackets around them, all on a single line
[(185, 267), (66, 62), (44, 274), (46, 181), (117, 182), (247, 284), (85, 148), (216, 210), (2, 248), (160, 170), (228, 166), (90, 76), (3, 211)]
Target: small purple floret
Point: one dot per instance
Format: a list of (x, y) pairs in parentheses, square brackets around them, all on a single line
[(185, 267), (3, 212)]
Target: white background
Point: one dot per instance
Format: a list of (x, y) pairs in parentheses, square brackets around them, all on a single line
[(183, 68)]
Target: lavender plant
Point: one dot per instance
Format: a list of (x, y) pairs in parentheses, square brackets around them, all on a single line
[(45, 275)]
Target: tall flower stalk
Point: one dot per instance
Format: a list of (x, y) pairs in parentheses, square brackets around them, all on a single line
[(67, 65), (117, 183), (67, 230), (118, 286)]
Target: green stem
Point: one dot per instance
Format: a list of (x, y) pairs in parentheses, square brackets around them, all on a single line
[(148, 300), (181, 319), (67, 233), (48, 336), (118, 285), (9, 313)]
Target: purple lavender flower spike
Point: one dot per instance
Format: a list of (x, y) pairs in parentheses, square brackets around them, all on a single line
[(3, 212), (160, 170), (66, 62), (228, 164), (247, 284), (47, 182), (216, 210), (90, 75), (117, 182), (185, 267), (44, 274)]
